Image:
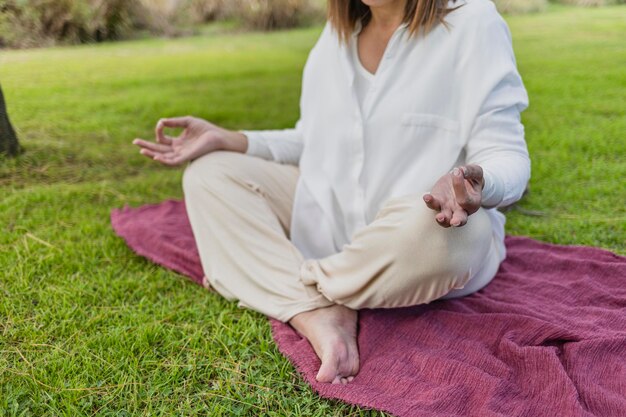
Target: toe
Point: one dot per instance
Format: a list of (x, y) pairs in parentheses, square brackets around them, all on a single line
[(328, 370)]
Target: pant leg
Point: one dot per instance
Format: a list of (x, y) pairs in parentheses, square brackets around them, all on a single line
[(239, 207), (404, 258)]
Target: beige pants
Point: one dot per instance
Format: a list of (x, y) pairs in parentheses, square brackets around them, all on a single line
[(240, 207)]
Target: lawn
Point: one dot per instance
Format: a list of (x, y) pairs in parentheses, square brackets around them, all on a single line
[(89, 328)]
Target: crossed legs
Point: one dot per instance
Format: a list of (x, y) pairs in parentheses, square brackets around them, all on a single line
[(240, 206)]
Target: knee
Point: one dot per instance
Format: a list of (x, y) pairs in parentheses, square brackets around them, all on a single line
[(416, 260), (451, 250), (207, 171), (415, 231), (421, 244)]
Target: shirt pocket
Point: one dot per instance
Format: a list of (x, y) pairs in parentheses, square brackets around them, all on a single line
[(432, 133)]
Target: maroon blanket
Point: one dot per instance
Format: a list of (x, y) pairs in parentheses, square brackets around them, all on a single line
[(546, 338)]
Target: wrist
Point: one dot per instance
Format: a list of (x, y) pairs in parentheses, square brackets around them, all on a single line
[(233, 141), (493, 190)]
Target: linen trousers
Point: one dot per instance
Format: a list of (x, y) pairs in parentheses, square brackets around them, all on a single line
[(240, 206)]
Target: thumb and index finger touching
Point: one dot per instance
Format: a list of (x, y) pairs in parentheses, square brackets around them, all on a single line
[(471, 173), (467, 198), (162, 150), (173, 122)]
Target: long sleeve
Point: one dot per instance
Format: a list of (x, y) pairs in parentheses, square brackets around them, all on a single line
[(496, 138), (282, 145)]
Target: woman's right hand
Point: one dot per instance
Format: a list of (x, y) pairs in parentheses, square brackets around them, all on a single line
[(198, 138)]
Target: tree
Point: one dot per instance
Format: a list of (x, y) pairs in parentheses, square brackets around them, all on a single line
[(8, 139)]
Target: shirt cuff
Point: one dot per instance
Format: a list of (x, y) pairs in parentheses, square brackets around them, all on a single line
[(493, 191), (257, 145)]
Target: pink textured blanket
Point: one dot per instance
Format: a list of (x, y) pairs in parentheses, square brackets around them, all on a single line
[(546, 338)]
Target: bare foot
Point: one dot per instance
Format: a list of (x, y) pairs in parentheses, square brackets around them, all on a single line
[(332, 333)]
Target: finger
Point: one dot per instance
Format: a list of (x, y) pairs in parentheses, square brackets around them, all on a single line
[(147, 152), (159, 157), (173, 122), (160, 136), (472, 172), (139, 141), (350, 378), (460, 190), (444, 217), (170, 160), (459, 218), (176, 121), (431, 202), (152, 146)]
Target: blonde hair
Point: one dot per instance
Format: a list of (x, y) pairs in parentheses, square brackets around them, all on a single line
[(421, 15)]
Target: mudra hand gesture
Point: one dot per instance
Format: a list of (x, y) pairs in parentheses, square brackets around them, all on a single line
[(198, 137), (456, 195)]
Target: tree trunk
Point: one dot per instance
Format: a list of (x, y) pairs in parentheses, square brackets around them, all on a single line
[(8, 139)]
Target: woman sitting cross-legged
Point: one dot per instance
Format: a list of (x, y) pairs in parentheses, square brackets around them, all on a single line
[(384, 193)]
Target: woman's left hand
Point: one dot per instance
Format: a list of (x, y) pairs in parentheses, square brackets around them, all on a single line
[(456, 195)]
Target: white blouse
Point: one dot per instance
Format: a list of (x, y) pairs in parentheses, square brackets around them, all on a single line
[(362, 77), (453, 97)]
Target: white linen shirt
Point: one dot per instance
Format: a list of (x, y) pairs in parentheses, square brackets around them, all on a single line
[(449, 98)]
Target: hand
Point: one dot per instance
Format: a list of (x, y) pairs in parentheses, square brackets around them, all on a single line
[(456, 195), (199, 137)]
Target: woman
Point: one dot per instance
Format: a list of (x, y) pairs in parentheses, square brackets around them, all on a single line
[(384, 193)]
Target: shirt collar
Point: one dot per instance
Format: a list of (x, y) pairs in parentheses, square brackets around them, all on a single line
[(345, 59)]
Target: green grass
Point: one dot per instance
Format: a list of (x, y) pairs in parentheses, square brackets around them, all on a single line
[(88, 328)]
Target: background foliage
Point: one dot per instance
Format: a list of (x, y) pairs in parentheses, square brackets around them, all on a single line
[(29, 23), (36, 23)]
